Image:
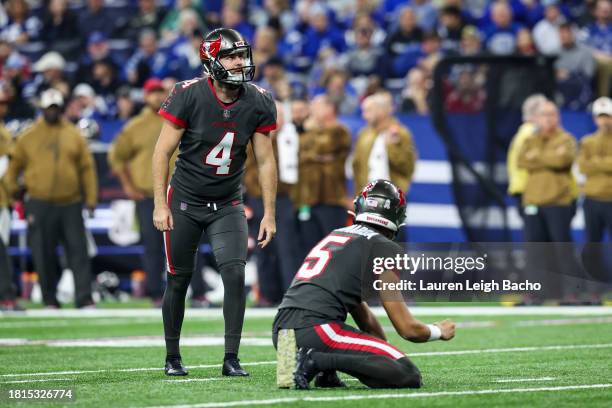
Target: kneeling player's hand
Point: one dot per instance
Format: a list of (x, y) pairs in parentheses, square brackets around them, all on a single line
[(162, 218), (447, 328)]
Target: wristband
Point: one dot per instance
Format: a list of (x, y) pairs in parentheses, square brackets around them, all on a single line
[(434, 332)]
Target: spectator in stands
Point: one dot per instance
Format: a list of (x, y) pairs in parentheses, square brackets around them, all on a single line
[(22, 27), (60, 28), (275, 80), (363, 59), (58, 180), (426, 14), (321, 188), (183, 59), (149, 17), (340, 92), (517, 177), (425, 56), (50, 74), (525, 45), (300, 111), (595, 161), (169, 28), (147, 61), (575, 69), (407, 35), (12, 86), (98, 49), (320, 34), (264, 46), (105, 83), (8, 292), (231, 17), (415, 95), (125, 103), (130, 157), (549, 193), (96, 18), (88, 105), (599, 38), (500, 35), (546, 31), (450, 27), (471, 41), (384, 148), (467, 95)]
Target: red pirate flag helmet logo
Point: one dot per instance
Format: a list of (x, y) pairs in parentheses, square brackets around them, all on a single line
[(210, 49)]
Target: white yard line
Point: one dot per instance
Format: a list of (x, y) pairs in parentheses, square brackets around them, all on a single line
[(415, 394), (507, 380), (422, 354), (271, 312), (510, 350), (40, 380), (129, 370), (194, 380), (563, 322)]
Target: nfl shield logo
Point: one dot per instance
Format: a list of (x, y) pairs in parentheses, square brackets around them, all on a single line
[(226, 114), (183, 206)]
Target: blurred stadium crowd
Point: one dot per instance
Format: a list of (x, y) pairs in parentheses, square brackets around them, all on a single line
[(115, 60), (99, 53)]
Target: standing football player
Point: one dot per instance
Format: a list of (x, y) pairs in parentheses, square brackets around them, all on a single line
[(212, 120), (330, 285)]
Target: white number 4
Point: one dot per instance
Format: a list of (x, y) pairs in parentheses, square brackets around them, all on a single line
[(220, 156)]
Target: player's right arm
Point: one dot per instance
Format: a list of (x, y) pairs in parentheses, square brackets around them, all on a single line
[(412, 329), (169, 138), (407, 325)]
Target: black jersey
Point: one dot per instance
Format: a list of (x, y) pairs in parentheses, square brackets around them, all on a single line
[(212, 151), (335, 275)]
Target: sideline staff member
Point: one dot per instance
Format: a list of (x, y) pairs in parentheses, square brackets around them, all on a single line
[(59, 175)]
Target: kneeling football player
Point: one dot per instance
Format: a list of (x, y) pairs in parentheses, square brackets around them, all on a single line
[(328, 286)]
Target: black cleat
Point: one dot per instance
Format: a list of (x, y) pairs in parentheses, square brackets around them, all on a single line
[(175, 367), (305, 369), (329, 379), (232, 368)]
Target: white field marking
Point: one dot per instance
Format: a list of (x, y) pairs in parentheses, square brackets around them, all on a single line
[(194, 380), (73, 322), (116, 322), (130, 370), (41, 380), (507, 380), (254, 340), (13, 342), (510, 350), (378, 311), (563, 322), (256, 363), (398, 395), (135, 341)]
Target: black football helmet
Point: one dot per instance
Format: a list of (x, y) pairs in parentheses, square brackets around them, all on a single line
[(222, 42), (381, 203)]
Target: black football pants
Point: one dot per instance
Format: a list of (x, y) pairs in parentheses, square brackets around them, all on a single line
[(226, 228), (48, 225), (374, 362)]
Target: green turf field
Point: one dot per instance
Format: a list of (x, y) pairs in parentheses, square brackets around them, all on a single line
[(525, 360)]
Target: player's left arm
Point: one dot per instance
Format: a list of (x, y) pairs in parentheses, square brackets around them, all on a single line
[(367, 322), (266, 170)]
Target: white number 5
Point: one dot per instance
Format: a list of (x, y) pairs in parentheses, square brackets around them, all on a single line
[(319, 257), (220, 156)]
